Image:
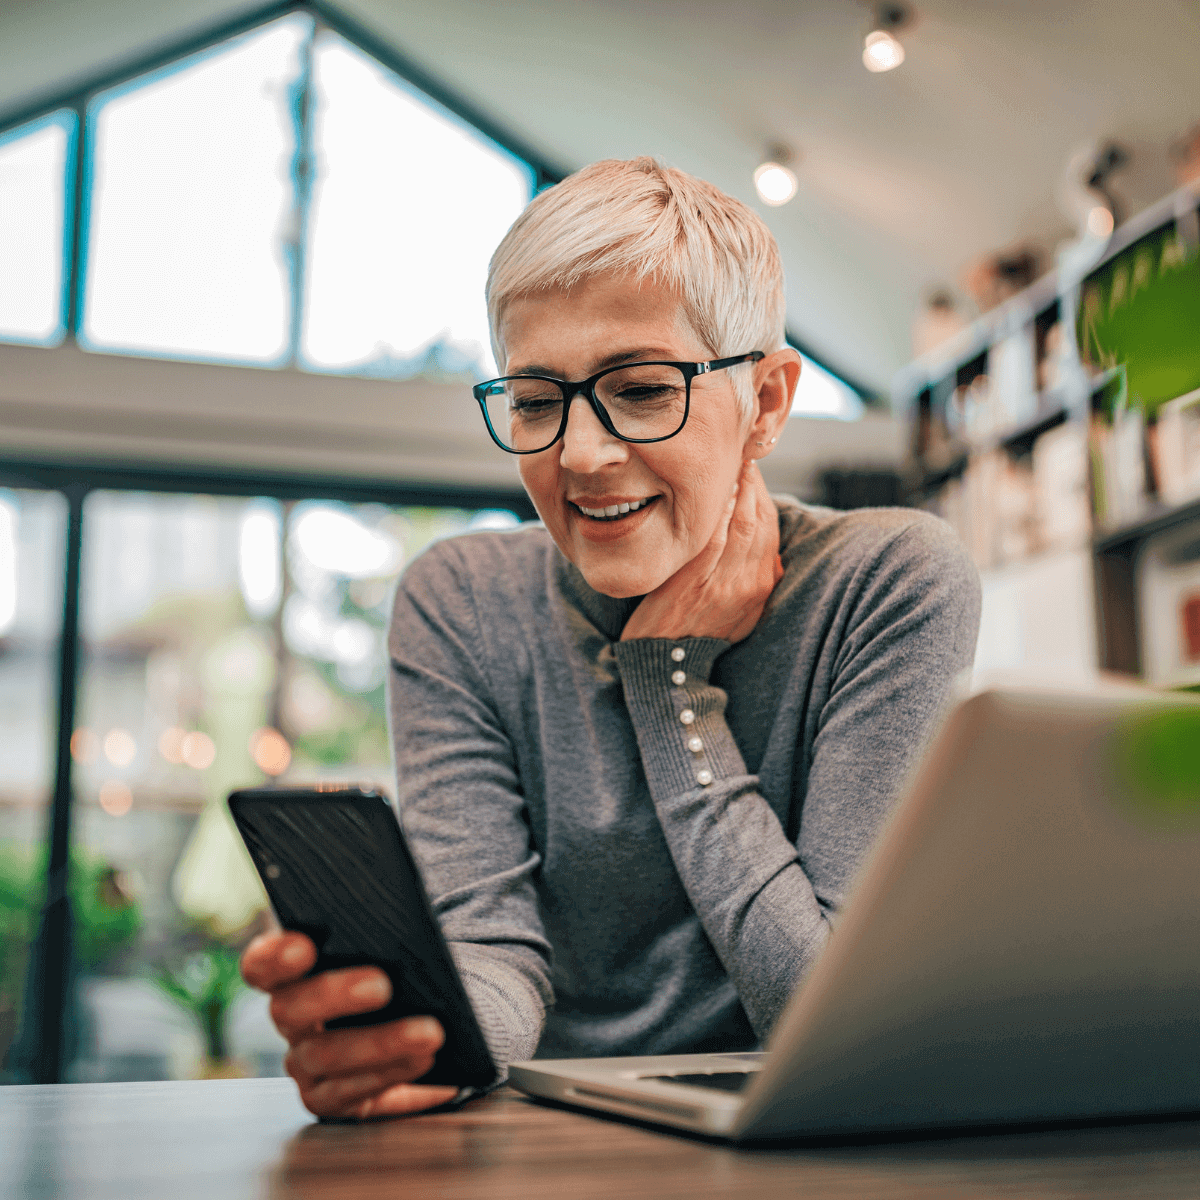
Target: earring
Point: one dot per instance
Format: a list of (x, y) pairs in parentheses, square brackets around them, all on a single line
[(760, 443)]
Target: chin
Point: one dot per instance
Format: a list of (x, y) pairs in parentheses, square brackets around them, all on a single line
[(621, 582)]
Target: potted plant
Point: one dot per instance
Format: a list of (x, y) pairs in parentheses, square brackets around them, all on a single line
[(205, 986)]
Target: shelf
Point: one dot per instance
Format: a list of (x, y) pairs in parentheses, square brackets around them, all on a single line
[(1021, 439), (1160, 517), (1016, 440), (932, 480)]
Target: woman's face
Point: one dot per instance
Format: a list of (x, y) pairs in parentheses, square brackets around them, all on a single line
[(683, 484)]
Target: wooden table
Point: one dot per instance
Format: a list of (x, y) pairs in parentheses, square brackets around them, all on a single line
[(224, 1140)]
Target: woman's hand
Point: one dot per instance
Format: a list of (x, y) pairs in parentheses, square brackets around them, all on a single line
[(722, 591), (359, 1073)]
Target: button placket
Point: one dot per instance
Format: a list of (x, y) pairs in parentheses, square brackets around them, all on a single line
[(687, 717), (695, 744)]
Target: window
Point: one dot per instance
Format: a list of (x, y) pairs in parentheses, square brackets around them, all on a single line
[(279, 197), (34, 161), (225, 641), (409, 204), (190, 204), (820, 393), (32, 527)]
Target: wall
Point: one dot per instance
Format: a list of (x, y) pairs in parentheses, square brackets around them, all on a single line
[(66, 404)]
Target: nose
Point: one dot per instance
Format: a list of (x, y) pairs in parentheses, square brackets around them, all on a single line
[(586, 445)]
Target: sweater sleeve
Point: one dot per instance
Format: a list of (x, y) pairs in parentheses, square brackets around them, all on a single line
[(462, 807), (908, 628)]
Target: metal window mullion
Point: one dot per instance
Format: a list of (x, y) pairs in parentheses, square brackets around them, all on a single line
[(75, 237), (51, 958), (296, 250)]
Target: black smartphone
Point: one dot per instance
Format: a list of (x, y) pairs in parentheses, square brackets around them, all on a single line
[(337, 868)]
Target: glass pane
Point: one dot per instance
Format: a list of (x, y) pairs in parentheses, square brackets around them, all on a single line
[(33, 173), (228, 641), (820, 393), (408, 206), (32, 536), (191, 202)]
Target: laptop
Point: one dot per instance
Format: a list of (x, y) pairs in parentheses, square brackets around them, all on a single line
[(1022, 946)]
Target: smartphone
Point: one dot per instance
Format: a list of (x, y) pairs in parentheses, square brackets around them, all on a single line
[(336, 867)]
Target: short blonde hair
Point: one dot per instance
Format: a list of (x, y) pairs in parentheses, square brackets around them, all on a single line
[(642, 219)]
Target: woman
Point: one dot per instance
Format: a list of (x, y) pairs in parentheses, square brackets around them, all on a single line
[(643, 746)]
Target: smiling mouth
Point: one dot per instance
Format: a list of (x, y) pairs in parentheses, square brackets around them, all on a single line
[(613, 512)]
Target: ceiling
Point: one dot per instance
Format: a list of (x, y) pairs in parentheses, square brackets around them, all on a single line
[(905, 177)]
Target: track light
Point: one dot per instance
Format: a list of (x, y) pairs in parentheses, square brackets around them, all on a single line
[(882, 50), (775, 182)]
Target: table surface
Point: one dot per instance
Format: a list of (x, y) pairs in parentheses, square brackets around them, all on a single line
[(251, 1138)]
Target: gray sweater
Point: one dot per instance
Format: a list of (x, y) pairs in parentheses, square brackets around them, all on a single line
[(599, 895)]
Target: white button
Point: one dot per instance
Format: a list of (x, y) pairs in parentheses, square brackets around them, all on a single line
[(694, 744), (687, 716), (679, 678), (704, 777), (678, 654)]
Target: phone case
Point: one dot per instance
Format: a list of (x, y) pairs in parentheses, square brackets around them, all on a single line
[(337, 868)]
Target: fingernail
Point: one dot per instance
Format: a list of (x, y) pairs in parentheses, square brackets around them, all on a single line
[(376, 989), (422, 1027), (294, 954)]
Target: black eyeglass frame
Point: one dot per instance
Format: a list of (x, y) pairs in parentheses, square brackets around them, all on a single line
[(689, 371)]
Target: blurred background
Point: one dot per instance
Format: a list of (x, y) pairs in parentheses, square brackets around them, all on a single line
[(242, 253)]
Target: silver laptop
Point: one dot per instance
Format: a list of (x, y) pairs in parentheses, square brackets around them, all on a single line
[(1023, 945)]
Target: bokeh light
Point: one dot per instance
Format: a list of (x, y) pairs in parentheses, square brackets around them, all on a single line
[(260, 571), (775, 183), (119, 747), (1100, 221), (85, 745), (116, 798), (270, 751), (336, 541), (881, 51), (170, 744), (197, 750)]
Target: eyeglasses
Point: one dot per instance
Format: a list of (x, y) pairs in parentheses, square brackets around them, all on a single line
[(637, 402)]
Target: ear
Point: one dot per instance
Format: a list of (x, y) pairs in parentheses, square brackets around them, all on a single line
[(775, 379)]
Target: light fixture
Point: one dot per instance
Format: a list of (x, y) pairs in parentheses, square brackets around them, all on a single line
[(882, 50), (775, 181)]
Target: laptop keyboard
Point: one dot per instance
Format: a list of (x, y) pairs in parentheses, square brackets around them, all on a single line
[(722, 1081)]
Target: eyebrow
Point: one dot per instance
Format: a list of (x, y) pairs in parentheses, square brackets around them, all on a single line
[(646, 353)]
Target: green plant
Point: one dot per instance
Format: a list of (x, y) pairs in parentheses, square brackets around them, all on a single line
[(106, 918), (205, 986), (1141, 309)]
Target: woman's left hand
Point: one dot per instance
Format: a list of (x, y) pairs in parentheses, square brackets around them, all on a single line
[(721, 593)]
